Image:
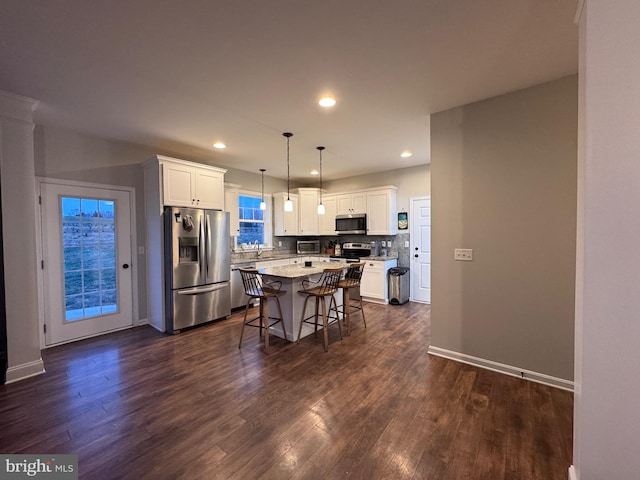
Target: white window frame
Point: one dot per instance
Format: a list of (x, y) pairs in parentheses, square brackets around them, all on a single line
[(268, 223)]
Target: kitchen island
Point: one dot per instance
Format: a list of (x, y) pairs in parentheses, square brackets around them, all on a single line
[(292, 302)]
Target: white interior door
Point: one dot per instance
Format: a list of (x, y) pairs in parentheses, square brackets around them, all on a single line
[(86, 243), (421, 249)]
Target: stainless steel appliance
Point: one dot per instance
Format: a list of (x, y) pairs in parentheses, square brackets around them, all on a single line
[(352, 223), (308, 246), (353, 251), (197, 266), (238, 297)]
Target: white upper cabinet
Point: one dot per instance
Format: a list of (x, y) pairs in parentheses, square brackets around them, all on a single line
[(308, 199), (284, 223), (351, 203), (378, 203), (187, 184), (327, 222), (382, 212), (231, 192)]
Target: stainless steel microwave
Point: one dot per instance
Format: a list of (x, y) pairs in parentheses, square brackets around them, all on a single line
[(353, 223)]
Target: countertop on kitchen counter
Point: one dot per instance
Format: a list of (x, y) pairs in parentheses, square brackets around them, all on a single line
[(248, 257), (298, 270), (237, 260), (381, 258)]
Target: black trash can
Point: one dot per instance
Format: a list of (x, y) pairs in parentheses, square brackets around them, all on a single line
[(398, 285)]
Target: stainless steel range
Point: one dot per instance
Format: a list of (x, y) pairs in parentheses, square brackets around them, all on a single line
[(352, 252)]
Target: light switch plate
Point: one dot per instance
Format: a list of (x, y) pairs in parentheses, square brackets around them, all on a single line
[(463, 254), (140, 250)]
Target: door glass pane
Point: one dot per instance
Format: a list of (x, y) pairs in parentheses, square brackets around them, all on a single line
[(89, 249)]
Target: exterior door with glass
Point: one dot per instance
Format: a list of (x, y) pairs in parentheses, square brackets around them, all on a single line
[(86, 242)]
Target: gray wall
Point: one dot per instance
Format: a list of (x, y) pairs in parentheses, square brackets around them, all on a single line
[(606, 414), (504, 184)]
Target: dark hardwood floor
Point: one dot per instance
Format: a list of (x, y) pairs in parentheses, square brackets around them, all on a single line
[(142, 405)]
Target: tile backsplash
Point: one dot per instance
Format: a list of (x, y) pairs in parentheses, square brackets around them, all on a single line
[(287, 245)]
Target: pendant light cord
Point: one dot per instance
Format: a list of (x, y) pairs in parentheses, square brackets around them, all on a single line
[(288, 135), (320, 176), (288, 169)]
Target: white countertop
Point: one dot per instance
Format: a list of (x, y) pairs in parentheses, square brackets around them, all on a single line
[(380, 258), (298, 270)]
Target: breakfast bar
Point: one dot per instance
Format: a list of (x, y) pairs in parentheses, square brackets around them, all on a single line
[(292, 302)]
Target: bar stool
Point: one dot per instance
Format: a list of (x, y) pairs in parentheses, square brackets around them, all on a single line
[(351, 281), (326, 286), (256, 287)]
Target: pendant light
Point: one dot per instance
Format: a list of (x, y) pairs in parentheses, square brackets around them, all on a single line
[(320, 205), (288, 205), (263, 206)]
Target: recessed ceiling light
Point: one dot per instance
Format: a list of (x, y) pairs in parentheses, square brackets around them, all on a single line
[(314, 172), (406, 154), (327, 102), (219, 145)]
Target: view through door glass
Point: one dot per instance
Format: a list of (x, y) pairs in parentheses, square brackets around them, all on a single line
[(86, 267), (89, 243)]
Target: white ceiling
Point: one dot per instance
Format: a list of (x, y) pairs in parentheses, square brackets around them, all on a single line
[(178, 75)]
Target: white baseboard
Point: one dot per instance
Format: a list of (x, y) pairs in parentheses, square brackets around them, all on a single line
[(374, 300), (156, 327), (141, 321), (26, 370), (503, 368), (572, 473)]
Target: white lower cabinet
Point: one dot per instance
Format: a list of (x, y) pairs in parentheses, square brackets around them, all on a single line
[(374, 283)]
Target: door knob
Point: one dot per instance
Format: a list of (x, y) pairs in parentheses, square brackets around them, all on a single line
[(416, 255), (416, 248), (125, 266)]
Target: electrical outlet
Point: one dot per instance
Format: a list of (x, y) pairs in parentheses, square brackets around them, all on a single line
[(140, 250), (279, 243), (406, 244), (383, 243), (463, 254)]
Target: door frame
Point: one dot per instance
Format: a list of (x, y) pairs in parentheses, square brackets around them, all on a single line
[(40, 248), (412, 200)]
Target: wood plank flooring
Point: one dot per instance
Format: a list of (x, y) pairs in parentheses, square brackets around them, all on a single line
[(139, 404)]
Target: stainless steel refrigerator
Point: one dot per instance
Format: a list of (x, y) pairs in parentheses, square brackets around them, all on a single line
[(197, 266)]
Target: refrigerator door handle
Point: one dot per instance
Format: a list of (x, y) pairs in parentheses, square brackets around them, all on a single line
[(208, 244), (199, 290), (202, 253)]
